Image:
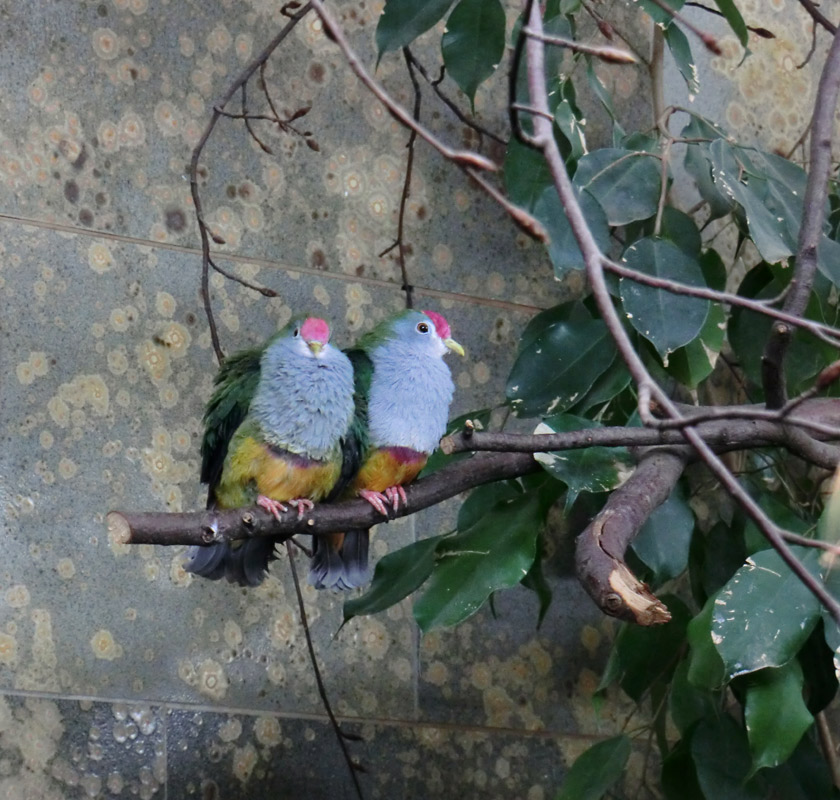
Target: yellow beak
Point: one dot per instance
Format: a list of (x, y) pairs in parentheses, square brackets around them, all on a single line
[(315, 346), (454, 346)]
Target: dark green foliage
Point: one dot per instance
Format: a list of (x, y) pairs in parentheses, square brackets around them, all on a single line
[(747, 659)]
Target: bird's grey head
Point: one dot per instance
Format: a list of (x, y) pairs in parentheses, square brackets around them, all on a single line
[(425, 333)]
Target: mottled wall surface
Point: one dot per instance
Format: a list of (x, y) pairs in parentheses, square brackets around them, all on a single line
[(120, 675)]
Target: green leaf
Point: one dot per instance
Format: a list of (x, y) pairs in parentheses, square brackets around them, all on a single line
[(526, 174), (402, 21), (482, 500), (596, 770), (570, 126), (692, 364), (705, 669), (563, 249), (679, 775), (495, 553), (772, 210), (473, 43), (591, 469), (669, 321), (688, 704), (805, 775), (664, 540), (559, 366), (682, 231), (736, 21), (659, 15), (601, 92), (775, 714), (609, 384), (396, 576), (536, 582), (748, 332), (624, 182), (439, 459), (644, 655), (680, 49), (698, 166), (722, 760), (765, 613)]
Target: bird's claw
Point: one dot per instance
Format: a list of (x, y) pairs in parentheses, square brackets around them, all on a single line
[(376, 499), (274, 507), (302, 504), (395, 495)]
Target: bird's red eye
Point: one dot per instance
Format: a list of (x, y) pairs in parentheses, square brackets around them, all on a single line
[(422, 327)]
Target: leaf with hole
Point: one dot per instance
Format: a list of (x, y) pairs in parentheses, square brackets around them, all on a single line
[(667, 320), (765, 613), (559, 366), (590, 469)]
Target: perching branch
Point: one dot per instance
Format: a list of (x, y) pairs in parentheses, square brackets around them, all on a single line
[(810, 230), (207, 527)]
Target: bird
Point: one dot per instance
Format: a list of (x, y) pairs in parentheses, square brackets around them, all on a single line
[(402, 391), (273, 437)]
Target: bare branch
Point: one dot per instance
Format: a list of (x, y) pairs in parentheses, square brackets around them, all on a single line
[(817, 16), (810, 231), (466, 158), (612, 55), (600, 550), (209, 526)]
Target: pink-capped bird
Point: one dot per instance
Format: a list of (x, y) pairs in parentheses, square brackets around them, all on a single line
[(403, 389), (274, 432)]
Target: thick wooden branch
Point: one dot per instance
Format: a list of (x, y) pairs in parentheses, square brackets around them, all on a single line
[(206, 527), (600, 549)]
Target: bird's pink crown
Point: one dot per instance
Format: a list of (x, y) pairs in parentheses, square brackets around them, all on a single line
[(441, 325), (314, 329)]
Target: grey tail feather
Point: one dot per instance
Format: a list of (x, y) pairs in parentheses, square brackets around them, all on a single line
[(245, 564), (346, 568)]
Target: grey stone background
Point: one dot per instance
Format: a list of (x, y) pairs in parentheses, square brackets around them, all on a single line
[(122, 676)]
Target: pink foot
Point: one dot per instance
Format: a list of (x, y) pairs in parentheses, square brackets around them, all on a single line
[(302, 504), (395, 494), (376, 499), (272, 506)]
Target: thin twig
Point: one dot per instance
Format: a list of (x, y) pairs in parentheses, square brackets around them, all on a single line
[(612, 55), (817, 16), (810, 231), (263, 290), (451, 104), (825, 333), (240, 80), (466, 158), (340, 735), (708, 40)]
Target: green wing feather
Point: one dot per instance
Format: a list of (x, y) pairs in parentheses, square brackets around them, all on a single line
[(236, 384)]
